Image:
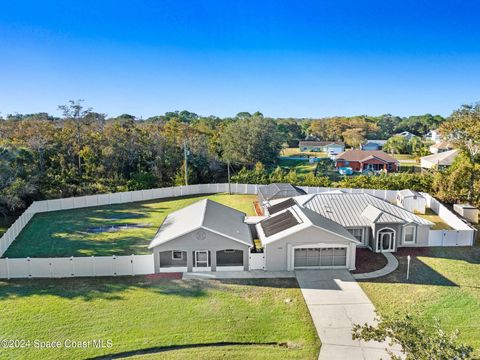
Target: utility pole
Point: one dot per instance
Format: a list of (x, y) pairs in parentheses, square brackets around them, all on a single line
[(185, 155), (228, 172)]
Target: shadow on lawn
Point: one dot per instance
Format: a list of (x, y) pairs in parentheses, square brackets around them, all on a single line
[(420, 272), (115, 288)]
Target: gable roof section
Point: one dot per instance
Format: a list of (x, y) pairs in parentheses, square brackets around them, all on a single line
[(346, 209), (377, 216), (296, 219), (363, 155), (279, 190), (206, 214)]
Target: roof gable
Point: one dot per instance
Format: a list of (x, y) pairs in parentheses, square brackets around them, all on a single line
[(363, 155)]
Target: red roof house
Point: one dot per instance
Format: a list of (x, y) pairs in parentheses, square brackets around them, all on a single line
[(360, 160)]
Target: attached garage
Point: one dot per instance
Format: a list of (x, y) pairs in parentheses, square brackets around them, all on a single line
[(299, 238), (319, 257)]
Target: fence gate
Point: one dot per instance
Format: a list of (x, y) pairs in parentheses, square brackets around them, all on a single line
[(256, 261)]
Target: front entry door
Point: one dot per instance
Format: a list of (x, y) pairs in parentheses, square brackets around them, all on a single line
[(386, 241), (201, 258)]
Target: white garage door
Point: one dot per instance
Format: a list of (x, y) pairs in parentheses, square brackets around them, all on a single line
[(320, 257)]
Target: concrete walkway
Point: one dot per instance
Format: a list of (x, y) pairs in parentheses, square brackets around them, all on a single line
[(336, 302), (392, 265)]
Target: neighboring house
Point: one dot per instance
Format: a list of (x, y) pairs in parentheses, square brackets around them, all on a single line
[(406, 134), (439, 160), (277, 191), (361, 160), (299, 238), (329, 147), (373, 145), (412, 201), (202, 237), (440, 147), (433, 135), (376, 223)]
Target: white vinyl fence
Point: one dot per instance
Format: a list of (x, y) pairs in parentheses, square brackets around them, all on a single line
[(76, 266), (143, 264)]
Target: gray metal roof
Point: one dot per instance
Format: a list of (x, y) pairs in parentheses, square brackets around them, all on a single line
[(346, 209), (206, 214), (377, 216), (327, 224), (279, 190)]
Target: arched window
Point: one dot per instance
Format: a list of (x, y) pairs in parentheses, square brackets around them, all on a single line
[(385, 240)]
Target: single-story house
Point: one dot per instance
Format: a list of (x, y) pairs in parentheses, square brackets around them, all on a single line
[(406, 134), (329, 147), (361, 160), (440, 147), (439, 160), (433, 135), (299, 238), (277, 191), (375, 223), (373, 145), (204, 236), (412, 201)]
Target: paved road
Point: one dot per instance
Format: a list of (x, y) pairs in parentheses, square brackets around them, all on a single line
[(336, 302)]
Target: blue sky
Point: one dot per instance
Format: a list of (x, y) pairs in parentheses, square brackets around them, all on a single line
[(283, 58)]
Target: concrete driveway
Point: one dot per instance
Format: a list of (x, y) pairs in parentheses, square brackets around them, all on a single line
[(336, 302)]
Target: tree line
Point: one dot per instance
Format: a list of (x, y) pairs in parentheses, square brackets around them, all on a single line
[(84, 152)]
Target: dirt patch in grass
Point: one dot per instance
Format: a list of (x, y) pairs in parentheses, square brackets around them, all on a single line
[(367, 261)]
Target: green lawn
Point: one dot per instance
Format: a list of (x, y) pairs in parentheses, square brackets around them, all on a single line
[(141, 313), (407, 157), (66, 233), (438, 222), (302, 167), (295, 152), (444, 283)]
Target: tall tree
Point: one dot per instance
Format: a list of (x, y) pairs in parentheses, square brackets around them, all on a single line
[(463, 130)]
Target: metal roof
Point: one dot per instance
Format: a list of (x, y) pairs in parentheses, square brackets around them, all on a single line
[(279, 190), (377, 216), (346, 209), (409, 193), (206, 214)]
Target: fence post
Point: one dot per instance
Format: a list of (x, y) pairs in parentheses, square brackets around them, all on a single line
[(29, 268), (73, 266), (132, 257), (114, 265), (8, 268), (50, 267), (93, 265)]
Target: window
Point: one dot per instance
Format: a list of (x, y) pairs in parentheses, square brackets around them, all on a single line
[(357, 233), (177, 255), (409, 234)]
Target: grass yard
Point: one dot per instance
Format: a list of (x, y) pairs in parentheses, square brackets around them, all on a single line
[(444, 283), (151, 315), (295, 152), (438, 222), (404, 157), (301, 167), (68, 232)]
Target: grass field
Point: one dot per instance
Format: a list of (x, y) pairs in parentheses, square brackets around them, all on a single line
[(404, 157), (295, 152), (150, 315), (302, 167), (444, 283), (67, 233)]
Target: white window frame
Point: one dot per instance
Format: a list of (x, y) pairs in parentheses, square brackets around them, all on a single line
[(177, 251), (363, 234), (414, 234)]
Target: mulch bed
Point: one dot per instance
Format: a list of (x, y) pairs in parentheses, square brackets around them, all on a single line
[(367, 261), (171, 276)]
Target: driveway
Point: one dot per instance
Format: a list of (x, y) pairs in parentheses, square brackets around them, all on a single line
[(336, 302)]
